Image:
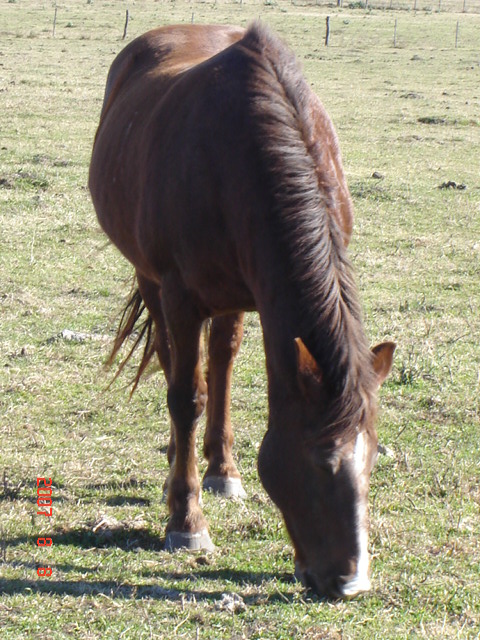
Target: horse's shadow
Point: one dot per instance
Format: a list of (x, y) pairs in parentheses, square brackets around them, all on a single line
[(119, 535), (128, 540), (151, 591)]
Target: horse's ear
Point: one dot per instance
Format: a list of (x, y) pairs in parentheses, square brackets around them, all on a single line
[(309, 373), (383, 360)]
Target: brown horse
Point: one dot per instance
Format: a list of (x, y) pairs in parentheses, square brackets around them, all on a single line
[(216, 171)]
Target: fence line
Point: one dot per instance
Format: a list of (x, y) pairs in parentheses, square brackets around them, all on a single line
[(456, 33), (428, 6), (432, 6)]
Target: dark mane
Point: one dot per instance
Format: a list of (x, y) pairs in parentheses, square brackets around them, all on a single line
[(303, 195)]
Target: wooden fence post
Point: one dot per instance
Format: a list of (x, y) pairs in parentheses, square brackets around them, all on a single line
[(456, 35), (395, 34), (126, 25), (54, 21), (327, 30)]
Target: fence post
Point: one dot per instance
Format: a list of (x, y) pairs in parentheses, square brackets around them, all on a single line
[(456, 35), (54, 20), (395, 34), (327, 31), (126, 25)]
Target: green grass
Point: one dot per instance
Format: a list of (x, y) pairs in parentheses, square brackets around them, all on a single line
[(410, 113)]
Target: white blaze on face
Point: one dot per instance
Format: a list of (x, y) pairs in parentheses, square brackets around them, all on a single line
[(360, 582)]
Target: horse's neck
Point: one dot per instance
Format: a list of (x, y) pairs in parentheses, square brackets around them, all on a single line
[(282, 313), (286, 313)]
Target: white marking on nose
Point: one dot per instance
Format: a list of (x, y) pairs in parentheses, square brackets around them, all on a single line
[(359, 454), (360, 582)]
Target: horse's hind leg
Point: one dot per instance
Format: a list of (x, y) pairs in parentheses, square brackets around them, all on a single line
[(222, 475), (187, 397), (152, 297)]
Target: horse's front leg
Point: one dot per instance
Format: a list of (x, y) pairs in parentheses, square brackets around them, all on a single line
[(187, 397), (222, 475)]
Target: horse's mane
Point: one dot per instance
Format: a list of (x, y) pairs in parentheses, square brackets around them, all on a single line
[(310, 237)]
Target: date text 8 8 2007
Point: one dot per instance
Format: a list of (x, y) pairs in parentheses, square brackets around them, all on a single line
[(44, 502)]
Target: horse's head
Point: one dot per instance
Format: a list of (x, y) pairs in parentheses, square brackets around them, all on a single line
[(321, 485)]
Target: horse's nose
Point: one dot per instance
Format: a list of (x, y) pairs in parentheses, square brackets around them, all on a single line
[(322, 588), (333, 587)]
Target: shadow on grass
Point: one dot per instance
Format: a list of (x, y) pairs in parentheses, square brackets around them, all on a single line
[(117, 485), (26, 491), (129, 539), (123, 537), (123, 501), (120, 590)]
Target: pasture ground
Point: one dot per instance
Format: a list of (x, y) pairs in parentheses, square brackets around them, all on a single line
[(410, 113)]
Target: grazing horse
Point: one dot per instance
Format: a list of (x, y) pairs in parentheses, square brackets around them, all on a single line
[(216, 172)]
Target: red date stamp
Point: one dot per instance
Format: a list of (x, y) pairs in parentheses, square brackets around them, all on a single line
[(44, 503)]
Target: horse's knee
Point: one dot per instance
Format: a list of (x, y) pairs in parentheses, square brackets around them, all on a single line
[(186, 405)]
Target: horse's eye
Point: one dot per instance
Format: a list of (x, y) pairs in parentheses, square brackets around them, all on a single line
[(326, 459)]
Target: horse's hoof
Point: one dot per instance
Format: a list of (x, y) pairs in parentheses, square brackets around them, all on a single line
[(200, 541), (226, 487)]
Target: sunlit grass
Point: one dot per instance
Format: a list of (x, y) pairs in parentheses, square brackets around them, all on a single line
[(409, 113)]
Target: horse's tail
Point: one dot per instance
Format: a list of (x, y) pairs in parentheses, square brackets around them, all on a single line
[(133, 323)]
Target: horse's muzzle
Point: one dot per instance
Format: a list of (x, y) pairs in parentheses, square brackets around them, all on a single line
[(335, 587)]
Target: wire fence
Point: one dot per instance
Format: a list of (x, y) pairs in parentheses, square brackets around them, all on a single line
[(446, 23), (427, 6)]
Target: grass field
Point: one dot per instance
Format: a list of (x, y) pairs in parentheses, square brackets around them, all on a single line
[(410, 113)]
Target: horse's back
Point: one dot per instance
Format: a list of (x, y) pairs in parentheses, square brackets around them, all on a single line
[(167, 51)]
